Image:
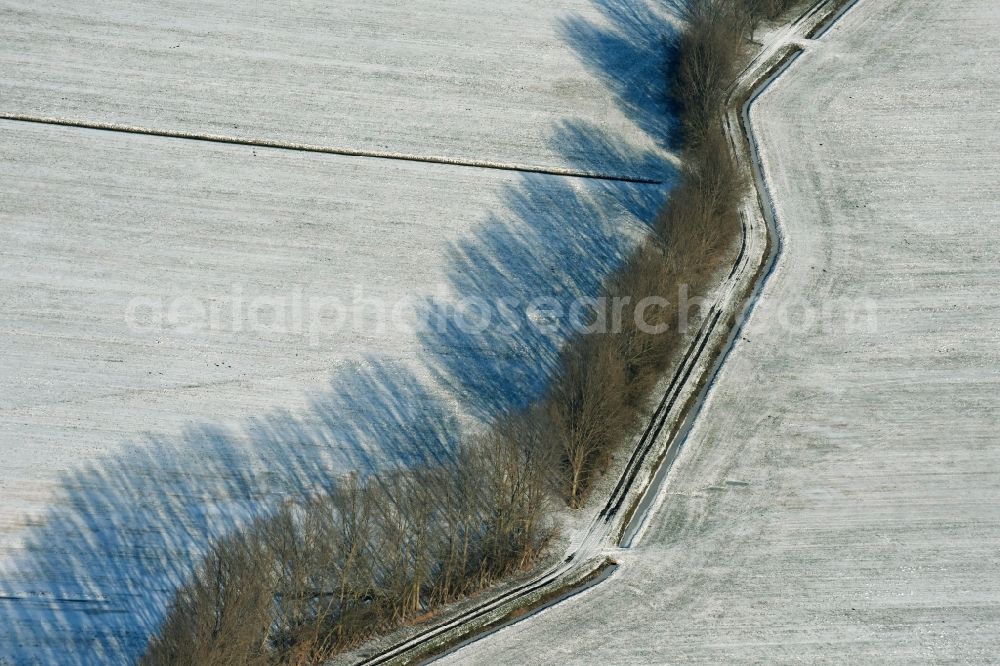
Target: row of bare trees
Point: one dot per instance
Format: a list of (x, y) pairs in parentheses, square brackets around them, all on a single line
[(322, 575), (605, 379)]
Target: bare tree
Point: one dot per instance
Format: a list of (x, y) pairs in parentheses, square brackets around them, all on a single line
[(648, 323), (708, 50), (517, 463), (460, 525), (221, 617), (588, 410)]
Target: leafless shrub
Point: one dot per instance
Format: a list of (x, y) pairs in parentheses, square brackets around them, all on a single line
[(516, 461), (768, 9)]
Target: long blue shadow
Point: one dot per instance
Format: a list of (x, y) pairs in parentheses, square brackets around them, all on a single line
[(97, 573), (554, 240), (515, 282), (631, 51), (125, 531)]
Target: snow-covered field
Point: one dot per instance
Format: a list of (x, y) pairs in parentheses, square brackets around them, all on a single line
[(469, 79), (189, 330), (837, 500)]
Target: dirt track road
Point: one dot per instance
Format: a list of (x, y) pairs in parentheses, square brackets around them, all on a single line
[(282, 299), (837, 500)]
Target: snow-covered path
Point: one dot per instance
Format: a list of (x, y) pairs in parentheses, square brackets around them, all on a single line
[(837, 500)]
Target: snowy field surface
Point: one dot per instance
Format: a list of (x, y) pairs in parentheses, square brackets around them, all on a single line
[(466, 79), (838, 498), (190, 331)]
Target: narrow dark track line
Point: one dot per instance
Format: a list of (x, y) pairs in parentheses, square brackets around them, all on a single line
[(655, 425), (470, 615), (607, 573), (819, 31), (327, 150), (681, 376)]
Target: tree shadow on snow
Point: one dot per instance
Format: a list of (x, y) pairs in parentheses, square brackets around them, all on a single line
[(630, 51), (513, 283), (125, 531), (95, 576)]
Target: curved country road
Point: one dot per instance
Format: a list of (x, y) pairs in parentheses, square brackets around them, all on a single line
[(836, 498), (624, 515)]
